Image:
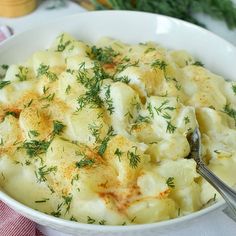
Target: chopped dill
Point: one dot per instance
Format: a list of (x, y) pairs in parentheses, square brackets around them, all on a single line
[(62, 45), (133, 157), (4, 83), (90, 220), (84, 162), (230, 112), (170, 182), (42, 201), (58, 127), (170, 127), (22, 75), (35, 148), (44, 70), (234, 89), (104, 142), (104, 55), (43, 171)]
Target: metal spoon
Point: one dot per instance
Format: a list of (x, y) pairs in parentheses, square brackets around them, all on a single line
[(225, 191)]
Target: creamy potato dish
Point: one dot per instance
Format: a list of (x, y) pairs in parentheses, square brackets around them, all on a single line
[(97, 133)]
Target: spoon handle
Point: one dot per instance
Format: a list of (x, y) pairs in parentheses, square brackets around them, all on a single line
[(226, 192)]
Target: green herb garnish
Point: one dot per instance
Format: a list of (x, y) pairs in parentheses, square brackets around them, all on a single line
[(43, 171), (22, 75), (84, 162), (182, 9), (170, 182), (35, 148), (58, 127), (133, 157), (104, 55), (4, 83)]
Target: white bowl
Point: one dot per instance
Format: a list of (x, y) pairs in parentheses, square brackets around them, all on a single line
[(133, 27)]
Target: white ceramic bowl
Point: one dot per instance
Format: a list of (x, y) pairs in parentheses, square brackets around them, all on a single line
[(217, 54)]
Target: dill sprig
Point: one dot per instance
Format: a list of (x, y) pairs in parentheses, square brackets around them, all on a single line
[(104, 142), (62, 44), (35, 148), (84, 162), (44, 70), (133, 157), (58, 127), (43, 171), (182, 9), (234, 89), (4, 83), (170, 182), (104, 55), (230, 112), (93, 85), (22, 75)]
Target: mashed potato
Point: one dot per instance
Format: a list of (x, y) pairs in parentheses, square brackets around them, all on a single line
[(97, 133)]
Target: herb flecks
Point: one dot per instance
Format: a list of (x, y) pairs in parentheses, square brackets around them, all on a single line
[(4, 83), (22, 75), (230, 112), (104, 142), (170, 182), (85, 162), (133, 157), (63, 44), (43, 171), (35, 148), (44, 70), (58, 127), (234, 89), (104, 55)]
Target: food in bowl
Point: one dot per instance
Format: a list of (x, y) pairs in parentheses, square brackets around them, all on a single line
[(97, 133)]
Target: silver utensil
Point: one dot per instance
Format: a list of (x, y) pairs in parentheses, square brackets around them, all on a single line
[(225, 191)]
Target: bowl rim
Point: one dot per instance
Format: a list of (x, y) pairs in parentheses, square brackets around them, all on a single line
[(26, 210)]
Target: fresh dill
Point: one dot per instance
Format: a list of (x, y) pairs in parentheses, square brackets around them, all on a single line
[(118, 153), (104, 55), (68, 89), (4, 83), (230, 112), (133, 157), (149, 50), (170, 182), (124, 79), (85, 162), (95, 131), (93, 86), (150, 110), (11, 113), (35, 148), (170, 128), (58, 127), (182, 9), (198, 63), (234, 89), (159, 64), (33, 133), (186, 120), (42, 201), (124, 64), (62, 44), (90, 220), (108, 100), (104, 142), (43, 171), (44, 70), (67, 202), (102, 222), (22, 75)]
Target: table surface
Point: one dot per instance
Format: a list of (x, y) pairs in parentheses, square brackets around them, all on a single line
[(213, 224)]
